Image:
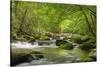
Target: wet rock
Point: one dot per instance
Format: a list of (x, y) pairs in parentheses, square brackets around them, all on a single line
[(77, 60), (41, 62), (36, 52), (39, 56), (87, 46), (67, 59), (59, 42), (29, 58), (93, 54), (32, 41), (66, 46), (21, 59), (78, 40)]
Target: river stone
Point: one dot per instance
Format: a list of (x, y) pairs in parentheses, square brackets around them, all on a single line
[(66, 46), (41, 62), (87, 46), (71, 59), (59, 42), (93, 54), (37, 56), (21, 59)]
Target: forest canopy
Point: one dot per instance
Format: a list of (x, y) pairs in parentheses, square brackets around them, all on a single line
[(35, 19)]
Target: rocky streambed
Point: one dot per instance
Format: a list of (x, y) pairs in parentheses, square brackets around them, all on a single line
[(50, 52), (47, 55)]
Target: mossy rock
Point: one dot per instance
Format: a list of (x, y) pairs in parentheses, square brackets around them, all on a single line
[(38, 56), (36, 36), (85, 38), (93, 54), (59, 42), (49, 34), (67, 46), (19, 55), (44, 37), (89, 39), (87, 46), (14, 36), (27, 37), (36, 52), (82, 39), (76, 38)]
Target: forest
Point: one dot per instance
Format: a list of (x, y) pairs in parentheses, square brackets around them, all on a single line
[(72, 26)]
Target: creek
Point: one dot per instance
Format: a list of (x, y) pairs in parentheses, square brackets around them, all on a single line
[(51, 53)]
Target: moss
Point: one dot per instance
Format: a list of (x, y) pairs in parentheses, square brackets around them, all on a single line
[(83, 55), (87, 46), (66, 46), (27, 37), (76, 38), (59, 42), (88, 39), (93, 54), (44, 37), (54, 54), (85, 38)]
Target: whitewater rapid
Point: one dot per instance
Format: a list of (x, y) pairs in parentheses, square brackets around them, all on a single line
[(20, 44)]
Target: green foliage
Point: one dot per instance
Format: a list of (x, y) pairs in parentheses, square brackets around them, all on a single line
[(33, 19)]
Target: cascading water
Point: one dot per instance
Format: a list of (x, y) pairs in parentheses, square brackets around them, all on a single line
[(45, 43), (36, 44), (23, 45)]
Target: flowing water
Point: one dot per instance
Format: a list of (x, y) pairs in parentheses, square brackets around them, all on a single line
[(19, 44), (52, 54)]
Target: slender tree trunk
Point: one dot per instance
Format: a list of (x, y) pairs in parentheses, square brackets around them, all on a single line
[(87, 21), (22, 22)]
